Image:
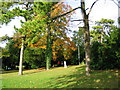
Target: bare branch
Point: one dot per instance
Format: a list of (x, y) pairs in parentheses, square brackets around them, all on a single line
[(116, 3), (65, 13), (79, 23), (92, 7), (77, 20)]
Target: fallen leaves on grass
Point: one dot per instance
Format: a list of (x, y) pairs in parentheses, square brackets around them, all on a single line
[(98, 80)]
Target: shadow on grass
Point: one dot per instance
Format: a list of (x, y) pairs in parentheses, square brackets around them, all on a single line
[(32, 72), (78, 79), (10, 71), (24, 71)]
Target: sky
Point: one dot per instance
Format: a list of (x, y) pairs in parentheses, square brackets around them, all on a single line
[(102, 9)]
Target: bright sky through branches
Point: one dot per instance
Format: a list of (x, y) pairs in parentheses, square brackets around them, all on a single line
[(102, 9)]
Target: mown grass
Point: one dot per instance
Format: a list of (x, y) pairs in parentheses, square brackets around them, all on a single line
[(71, 77)]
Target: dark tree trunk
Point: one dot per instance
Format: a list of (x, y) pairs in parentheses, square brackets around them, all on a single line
[(79, 54), (49, 45), (48, 51)]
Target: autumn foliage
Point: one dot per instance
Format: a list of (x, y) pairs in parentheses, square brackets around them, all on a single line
[(60, 41)]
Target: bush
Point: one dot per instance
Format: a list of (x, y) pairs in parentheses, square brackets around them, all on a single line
[(103, 57)]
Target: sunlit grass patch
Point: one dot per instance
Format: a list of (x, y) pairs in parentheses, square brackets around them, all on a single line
[(71, 77)]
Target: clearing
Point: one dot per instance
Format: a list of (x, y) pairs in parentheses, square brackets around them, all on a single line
[(71, 77)]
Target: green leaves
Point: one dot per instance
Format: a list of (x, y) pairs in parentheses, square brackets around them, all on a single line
[(97, 27), (106, 55), (105, 21), (35, 57), (102, 30), (9, 13), (4, 38), (6, 17)]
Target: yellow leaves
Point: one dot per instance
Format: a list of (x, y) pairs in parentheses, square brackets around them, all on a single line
[(44, 46), (54, 52), (67, 39), (109, 76), (60, 8), (58, 42), (51, 29), (41, 43), (98, 80), (38, 17), (67, 46), (31, 45), (73, 48), (16, 45), (54, 57)]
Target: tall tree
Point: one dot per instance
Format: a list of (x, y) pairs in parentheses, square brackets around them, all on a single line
[(8, 14), (10, 54), (86, 30), (102, 29), (86, 34), (78, 39), (43, 29)]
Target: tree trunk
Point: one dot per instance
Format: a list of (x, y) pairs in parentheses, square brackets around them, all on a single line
[(79, 54), (102, 34), (86, 37), (65, 65), (49, 46), (87, 46), (48, 50), (1, 63), (21, 58)]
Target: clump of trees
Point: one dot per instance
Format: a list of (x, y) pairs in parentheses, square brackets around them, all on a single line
[(105, 51), (43, 39), (42, 30)]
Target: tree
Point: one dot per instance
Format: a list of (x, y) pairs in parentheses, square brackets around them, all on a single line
[(34, 57), (86, 34), (17, 36), (102, 29), (78, 39), (86, 30), (44, 29), (61, 22), (27, 16), (96, 34), (107, 52), (106, 55), (8, 14), (10, 55)]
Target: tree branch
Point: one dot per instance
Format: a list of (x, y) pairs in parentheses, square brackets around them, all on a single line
[(65, 13), (92, 7), (116, 3), (77, 20)]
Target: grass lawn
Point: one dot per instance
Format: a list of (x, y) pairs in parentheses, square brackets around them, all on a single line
[(71, 77)]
